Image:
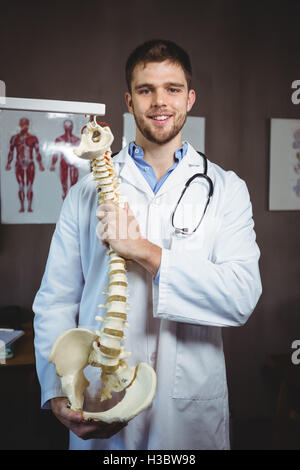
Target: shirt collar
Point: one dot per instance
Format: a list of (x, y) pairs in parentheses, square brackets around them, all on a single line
[(137, 153)]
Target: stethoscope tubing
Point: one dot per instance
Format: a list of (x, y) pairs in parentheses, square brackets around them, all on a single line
[(204, 175)]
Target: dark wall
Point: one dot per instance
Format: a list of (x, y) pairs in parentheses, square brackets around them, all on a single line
[(245, 57)]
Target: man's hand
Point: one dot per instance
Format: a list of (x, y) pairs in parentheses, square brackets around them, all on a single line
[(120, 229), (73, 420)]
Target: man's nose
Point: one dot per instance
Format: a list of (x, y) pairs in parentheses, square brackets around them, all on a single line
[(159, 98)]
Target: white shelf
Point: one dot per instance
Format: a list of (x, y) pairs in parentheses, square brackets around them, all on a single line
[(52, 106)]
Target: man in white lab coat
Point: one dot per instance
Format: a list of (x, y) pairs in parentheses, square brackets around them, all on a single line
[(183, 288)]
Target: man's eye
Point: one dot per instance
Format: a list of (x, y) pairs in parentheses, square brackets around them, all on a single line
[(174, 90), (144, 92)]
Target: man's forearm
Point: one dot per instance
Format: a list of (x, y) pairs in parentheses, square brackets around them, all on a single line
[(147, 255)]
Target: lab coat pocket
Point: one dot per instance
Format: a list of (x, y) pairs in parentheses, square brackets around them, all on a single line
[(200, 366)]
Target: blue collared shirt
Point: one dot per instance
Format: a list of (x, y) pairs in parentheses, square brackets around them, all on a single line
[(147, 171)]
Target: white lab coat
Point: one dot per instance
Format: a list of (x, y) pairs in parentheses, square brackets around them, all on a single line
[(208, 280)]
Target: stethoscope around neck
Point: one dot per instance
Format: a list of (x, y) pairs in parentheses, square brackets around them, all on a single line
[(185, 230)]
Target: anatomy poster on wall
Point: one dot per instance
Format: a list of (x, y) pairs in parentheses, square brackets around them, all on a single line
[(284, 190), (38, 165)]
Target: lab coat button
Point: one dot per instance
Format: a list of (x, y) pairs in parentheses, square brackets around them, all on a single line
[(155, 202)]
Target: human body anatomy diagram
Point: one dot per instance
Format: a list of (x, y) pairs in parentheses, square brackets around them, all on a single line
[(24, 145), (68, 170), (31, 153)]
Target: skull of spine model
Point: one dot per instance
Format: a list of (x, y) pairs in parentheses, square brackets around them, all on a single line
[(77, 348)]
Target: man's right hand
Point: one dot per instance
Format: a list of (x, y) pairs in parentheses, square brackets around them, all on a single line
[(74, 421)]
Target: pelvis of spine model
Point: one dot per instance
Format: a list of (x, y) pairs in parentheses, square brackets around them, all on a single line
[(77, 348)]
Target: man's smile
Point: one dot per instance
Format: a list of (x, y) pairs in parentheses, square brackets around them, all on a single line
[(160, 119)]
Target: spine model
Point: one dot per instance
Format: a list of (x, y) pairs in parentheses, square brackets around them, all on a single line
[(77, 348), (108, 353)]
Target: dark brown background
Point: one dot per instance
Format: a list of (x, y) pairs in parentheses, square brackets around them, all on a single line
[(245, 56)]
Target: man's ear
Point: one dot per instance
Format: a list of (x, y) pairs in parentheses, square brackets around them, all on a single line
[(128, 99), (191, 99)]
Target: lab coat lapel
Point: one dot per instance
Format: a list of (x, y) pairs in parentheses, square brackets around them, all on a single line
[(128, 171)]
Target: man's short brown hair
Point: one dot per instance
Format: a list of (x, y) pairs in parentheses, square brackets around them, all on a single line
[(158, 50)]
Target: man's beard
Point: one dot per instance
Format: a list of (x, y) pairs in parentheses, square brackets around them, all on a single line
[(154, 137)]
